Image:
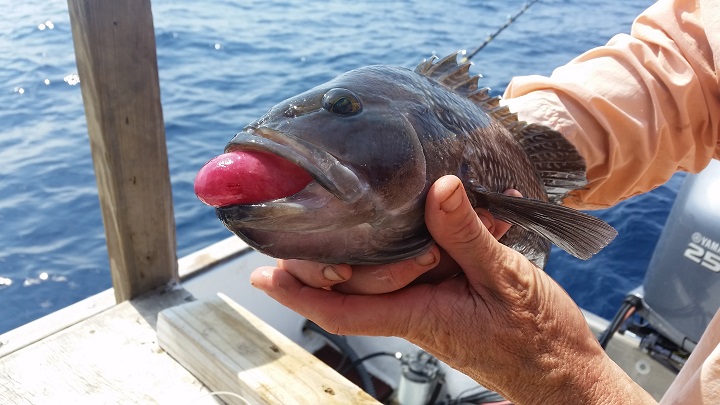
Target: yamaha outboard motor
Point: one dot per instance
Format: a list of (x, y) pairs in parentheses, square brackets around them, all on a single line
[(681, 290)]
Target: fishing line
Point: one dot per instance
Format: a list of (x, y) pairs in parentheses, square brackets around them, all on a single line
[(492, 36)]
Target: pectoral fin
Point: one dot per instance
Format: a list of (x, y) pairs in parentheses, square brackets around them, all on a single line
[(577, 233)]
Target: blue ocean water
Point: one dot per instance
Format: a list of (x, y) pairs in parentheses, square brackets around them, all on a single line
[(224, 63)]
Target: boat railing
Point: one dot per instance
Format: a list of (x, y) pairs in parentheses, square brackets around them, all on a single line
[(117, 64)]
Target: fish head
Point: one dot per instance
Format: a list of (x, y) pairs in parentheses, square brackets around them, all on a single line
[(355, 136)]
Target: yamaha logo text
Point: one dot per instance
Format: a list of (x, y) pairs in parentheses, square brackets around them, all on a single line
[(704, 251)]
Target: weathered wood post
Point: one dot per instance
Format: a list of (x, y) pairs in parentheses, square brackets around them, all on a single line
[(117, 64)]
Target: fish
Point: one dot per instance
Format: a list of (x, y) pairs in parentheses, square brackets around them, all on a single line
[(366, 147)]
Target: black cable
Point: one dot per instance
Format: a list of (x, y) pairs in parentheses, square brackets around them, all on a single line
[(485, 396), (607, 334), (482, 398), (344, 347), (630, 303), (457, 398), (356, 362), (342, 362), (436, 392)]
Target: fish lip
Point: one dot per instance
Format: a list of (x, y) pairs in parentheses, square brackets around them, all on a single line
[(325, 168)]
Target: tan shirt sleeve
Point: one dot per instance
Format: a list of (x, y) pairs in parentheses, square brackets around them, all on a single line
[(640, 108)]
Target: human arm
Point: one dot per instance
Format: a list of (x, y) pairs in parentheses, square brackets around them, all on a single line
[(638, 109), (502, 321)]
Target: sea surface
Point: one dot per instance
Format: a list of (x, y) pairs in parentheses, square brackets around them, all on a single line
[(222, 64)]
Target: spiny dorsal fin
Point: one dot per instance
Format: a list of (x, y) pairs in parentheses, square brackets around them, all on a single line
[(555, 158)]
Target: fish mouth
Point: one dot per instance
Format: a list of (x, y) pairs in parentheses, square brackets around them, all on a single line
[(334, 178)]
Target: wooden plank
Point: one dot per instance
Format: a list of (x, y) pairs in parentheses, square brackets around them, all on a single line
[(209, 257), (41, 328), (117, 64), (110, 358), (229, 349)]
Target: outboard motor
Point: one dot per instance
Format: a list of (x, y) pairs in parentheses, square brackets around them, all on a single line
[(681, 290)]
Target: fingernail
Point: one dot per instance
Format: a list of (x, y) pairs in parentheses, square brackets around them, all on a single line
[(425, 259), (453, 202), (264, 273), (330, 274)]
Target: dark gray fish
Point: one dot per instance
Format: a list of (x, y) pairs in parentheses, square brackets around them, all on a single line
[(374, 139)]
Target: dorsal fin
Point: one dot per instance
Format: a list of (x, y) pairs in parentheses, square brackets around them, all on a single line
[(561, 167)]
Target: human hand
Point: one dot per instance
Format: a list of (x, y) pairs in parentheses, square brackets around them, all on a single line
[(502, 321), (431, 266)]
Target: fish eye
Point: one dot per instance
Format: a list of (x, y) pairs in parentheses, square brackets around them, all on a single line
[(342, 102)]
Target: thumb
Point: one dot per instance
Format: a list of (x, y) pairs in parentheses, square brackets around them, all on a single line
[(456, 227)]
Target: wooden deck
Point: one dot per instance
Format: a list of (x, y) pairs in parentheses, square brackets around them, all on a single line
[(116, 357), (111, 357), (96, 352)]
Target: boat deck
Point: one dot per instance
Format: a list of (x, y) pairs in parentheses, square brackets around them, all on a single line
[(99, 352)]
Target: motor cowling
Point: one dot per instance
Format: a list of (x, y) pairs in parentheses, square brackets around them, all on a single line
[(681, 290)]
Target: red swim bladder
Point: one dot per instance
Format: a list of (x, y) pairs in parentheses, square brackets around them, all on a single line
[(248, 177)]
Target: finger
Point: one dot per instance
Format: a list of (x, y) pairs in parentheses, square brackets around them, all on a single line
[(446, 268), (314, 274), (381, 279), (496, 227), (340, 313), (456, 228)]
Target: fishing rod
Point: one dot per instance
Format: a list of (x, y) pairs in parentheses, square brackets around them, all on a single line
[(492, 36)]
